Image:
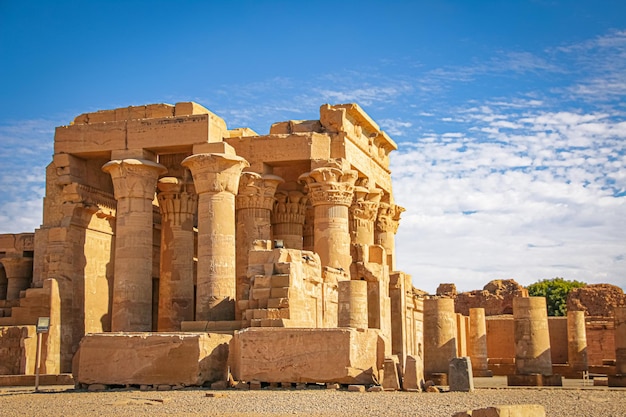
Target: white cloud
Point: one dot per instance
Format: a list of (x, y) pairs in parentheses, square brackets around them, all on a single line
[(525, 196)]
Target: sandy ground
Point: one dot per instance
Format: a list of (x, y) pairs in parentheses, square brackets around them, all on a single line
[(571, 400)]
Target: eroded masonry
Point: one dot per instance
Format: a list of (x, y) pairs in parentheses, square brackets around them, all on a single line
[(174, 250), (160, 219)]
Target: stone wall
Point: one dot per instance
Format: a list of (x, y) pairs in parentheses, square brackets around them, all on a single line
[(496, 298), (596, 299), (18, 347)]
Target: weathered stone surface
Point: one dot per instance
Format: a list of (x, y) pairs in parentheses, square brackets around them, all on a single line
[(413, 379), (447, 290), (532, 337), (151, 358), (18, 346), (517, 410), (596, 299), (344, 356), (391, 380), (496, 298), (440, 333), (460, 377)]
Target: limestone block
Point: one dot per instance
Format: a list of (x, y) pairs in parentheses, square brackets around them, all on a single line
[(151, 358), (460, 375), (345, 356), (413, 374), (391, 381), (517, 410)]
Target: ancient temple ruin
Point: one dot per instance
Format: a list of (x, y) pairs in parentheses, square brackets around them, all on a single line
[(175, 251), (160, 219)]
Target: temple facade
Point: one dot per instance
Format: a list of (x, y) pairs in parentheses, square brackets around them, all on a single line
[(160, 219)]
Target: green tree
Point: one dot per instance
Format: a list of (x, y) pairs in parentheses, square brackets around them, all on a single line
[(555, 290)]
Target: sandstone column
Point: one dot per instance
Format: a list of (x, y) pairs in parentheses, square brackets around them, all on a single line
[(386, 228), (439, 334), (363, 213), (532, 339), (134, 184), (620, 341), (352, 304), (478, 342), (216, 179), (254, 203), (288, 218), (308, 235), (178, 203), (330, 191), (19, 275), (576, 341)]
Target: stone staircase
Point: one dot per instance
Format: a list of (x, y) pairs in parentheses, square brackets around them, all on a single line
[(33, 303)]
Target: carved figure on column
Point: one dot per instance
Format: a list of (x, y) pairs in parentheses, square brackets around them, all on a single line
[(178, 204), (288, 217), (331, 192), (386, 227), (363, 213), (216, 179)]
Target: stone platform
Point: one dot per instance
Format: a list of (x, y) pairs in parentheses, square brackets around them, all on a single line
[(186, 359), (336, 355), (534, 380)]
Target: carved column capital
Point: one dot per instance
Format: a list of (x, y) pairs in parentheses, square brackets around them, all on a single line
[(215, 172), (134, 178), (388, 218), (365, 204), (177, 200), (290, 207), (330, 186), (256, 191)]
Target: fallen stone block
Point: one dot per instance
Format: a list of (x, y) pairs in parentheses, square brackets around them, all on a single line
[(460, 377), (391, 381), (413, 374), (329, 355), (517, 410), (356, 388), (189, 359)]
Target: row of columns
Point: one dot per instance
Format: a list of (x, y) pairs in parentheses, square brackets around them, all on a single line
[(217, 179), (531, 335)]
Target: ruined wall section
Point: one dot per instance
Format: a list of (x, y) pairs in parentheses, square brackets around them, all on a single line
[(286, 289)]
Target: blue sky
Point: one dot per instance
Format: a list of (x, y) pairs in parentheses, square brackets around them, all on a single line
[(510, 116)]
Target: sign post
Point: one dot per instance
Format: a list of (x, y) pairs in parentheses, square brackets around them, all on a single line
[(43, 325)]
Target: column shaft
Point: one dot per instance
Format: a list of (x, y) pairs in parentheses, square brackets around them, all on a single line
[(254, 203), (331, 192), (134, 183), (176, 290), (532, 338), (478, 341), (576, 341), (216, 179), (439, 334), (352, 307)]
